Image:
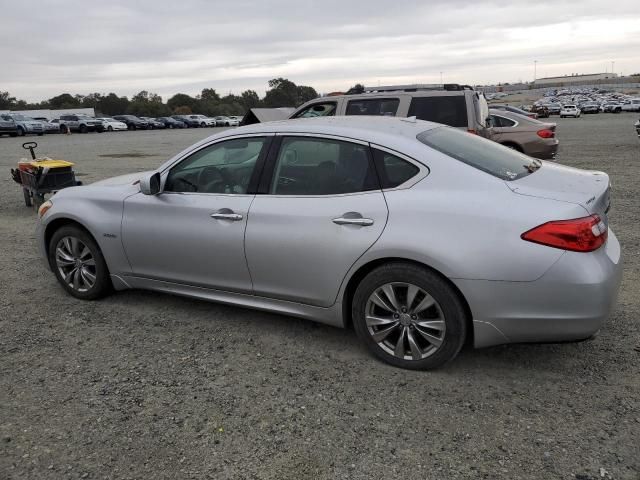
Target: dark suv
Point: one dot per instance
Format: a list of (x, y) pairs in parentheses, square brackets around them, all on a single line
[(451, 104), (8, 126), (132, 122), (79, 123)]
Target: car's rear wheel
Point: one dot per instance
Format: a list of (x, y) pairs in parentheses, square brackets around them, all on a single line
[(78, 263), (409, 316), (109, 128)]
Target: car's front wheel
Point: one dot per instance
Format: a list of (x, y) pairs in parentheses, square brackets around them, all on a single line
[(78, 263), (409, 316)]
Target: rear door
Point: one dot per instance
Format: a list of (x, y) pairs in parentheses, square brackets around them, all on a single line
[(319, 208)]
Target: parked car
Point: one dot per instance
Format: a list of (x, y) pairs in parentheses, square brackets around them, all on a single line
[(541, 110), (112, 125), (419, 235), (170, 122), (153, 123), (525, 134), (451, 104), (8, 126), (512, 109), (79, 123), (132, 122), (203, 120), (187, 120), (26, 125), (637, 125), (590, 108), (612, 108), (570, 111), (632, 106), (222, 121), (49, 126)]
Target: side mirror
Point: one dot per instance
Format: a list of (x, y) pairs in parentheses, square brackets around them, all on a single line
[(150, 183)]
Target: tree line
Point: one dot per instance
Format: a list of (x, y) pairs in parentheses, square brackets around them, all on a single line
[(281, 93)]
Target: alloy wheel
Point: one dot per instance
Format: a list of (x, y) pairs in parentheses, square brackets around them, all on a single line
[(76, 264), (405, 321)]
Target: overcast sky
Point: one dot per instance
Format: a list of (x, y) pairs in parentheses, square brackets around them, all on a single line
[(49, 47)]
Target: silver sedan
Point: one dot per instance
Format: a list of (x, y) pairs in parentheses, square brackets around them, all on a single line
[(420, 236)]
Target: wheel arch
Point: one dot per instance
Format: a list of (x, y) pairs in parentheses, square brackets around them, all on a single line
[(514, 145), (60, 222), (368, 267)]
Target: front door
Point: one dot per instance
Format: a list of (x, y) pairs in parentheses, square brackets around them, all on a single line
[(323, 210), (193, 232)]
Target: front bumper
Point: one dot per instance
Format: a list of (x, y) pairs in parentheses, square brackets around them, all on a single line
[(42, 248), (569, 302)]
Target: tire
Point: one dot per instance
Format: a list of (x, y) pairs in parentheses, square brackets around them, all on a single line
[(170, 126), (133, 127), (20, 132), (40, 134), (445, 317), (93, 266), (13, 134), (64, 129), (202, 125), (109, 128)]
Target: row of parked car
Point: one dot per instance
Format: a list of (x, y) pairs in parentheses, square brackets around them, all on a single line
[(15, 124)]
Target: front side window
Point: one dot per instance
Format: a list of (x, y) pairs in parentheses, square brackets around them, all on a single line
[(224, 167), (480, 153), (327, 109), (448, 110), (318, 166), (376, 106), (393, 171)]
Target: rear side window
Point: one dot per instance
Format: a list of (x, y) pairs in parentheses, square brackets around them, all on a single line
[(499, 121), (393, 171), (449, 110), (327, 109), (375, 106), (485, 155)]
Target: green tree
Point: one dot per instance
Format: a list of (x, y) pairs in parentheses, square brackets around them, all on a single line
[(6, 101), (249, 99), (64, 100), (305, 94), (285, 93), (182, 100), (112, 104)]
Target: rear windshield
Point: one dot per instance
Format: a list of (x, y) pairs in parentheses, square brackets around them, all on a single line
[(485, 155), (449, 110)]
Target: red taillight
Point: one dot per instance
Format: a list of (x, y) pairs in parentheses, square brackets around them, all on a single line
[(546, 133), (578, 235)]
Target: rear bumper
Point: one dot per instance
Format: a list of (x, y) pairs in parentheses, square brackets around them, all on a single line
[(569, 302), (545, 150)]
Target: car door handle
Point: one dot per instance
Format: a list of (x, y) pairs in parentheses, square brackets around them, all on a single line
[(234, 217), (365, 222)]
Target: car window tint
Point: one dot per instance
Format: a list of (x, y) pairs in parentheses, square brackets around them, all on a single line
[(393, 171), (377, 106), (449, 110), (316, 166), (327, 109), (225, 167), (499, 121), (485, 155)]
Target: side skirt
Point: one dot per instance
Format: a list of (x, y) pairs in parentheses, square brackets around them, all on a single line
[(330, 316)]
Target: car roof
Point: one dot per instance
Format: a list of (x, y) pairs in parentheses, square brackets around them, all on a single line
[(360, 127)]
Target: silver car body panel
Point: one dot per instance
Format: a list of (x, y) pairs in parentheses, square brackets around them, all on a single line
[(455, 219)]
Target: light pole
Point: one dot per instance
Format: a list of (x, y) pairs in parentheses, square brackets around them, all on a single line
[(612, 65), (535, 70), (441, 78)]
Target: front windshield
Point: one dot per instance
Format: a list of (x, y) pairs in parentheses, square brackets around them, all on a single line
[(480, 153)]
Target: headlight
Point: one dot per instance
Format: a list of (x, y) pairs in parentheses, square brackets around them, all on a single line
[(44, 208)]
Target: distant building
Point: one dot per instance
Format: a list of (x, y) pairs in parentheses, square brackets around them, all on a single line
[(571, 79)]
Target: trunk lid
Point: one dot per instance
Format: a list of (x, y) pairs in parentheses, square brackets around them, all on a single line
[(588, 188)]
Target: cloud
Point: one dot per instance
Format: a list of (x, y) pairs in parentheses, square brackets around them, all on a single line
[(48, 47)]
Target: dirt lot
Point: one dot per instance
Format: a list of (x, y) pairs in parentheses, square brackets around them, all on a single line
[(150, 386)]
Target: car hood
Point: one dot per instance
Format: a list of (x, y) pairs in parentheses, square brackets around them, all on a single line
[(128, 179), (588, 188)]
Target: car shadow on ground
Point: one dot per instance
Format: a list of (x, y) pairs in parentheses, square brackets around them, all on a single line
[(202, 317)]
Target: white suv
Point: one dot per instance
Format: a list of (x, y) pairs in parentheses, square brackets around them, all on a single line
[(204, 121), (451, 104), (570, 111)]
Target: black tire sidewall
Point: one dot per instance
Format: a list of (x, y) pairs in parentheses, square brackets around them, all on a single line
[(103, 281), (438, 288)]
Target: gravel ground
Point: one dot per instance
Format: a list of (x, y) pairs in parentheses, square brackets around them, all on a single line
[(151, 386)]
